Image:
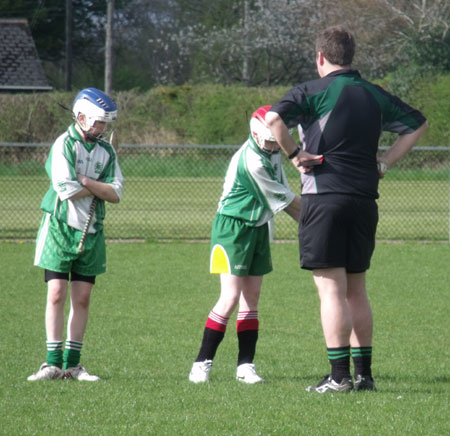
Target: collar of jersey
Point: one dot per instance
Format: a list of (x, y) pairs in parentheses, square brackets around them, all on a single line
[(341, 72), (73, 133)]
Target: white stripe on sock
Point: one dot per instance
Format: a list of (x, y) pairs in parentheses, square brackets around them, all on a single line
[(251, 314), (73, 345), (217, 318), (54, 345)]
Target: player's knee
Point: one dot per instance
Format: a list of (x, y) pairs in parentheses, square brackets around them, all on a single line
[(56, 296), (81, 302), (225, 306)]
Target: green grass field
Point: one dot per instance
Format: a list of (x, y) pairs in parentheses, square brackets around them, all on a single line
[(147, 318), (184, 207)]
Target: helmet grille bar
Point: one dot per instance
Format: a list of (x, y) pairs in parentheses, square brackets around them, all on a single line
[(101, 101)]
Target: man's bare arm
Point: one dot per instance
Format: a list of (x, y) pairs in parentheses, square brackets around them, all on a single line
[(293, 209), (401, 147), (287, 143)]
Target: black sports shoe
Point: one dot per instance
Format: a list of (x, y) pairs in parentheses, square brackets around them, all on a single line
[(364, 383), (327, 384)]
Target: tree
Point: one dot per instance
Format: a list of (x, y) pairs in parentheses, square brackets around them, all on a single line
[(394, 33), (108, 47), (272, 39), (47, 20), (254, 42), (424, 31)]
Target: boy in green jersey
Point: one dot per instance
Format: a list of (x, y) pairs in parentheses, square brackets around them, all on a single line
[(81, 167), (255, 189)]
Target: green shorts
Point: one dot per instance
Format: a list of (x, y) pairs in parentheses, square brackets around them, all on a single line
[(57, 249), (239, 249)]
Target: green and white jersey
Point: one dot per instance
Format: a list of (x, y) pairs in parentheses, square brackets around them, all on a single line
[(68, 157), (256, 187)]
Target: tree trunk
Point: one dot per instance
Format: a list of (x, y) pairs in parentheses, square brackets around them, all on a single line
[(108, 48), (69, 20)]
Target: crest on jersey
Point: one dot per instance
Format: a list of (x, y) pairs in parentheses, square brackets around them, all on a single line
[(98, 167)]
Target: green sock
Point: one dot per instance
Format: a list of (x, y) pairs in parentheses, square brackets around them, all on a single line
[(54, 353), (72, 354)]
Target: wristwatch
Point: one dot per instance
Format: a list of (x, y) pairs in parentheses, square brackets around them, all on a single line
[(382, 167)]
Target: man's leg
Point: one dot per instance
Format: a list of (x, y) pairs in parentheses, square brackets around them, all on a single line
[(334, 311), (361, 336), (337, 326), (360, 310)]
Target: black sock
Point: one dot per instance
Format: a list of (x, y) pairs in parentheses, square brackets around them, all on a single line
[(210, 343), (362, 360), (247, 346), (340, 362)]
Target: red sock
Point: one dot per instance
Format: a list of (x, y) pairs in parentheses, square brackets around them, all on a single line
[(216, 322)]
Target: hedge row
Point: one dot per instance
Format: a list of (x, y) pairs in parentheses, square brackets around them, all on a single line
[(200, 114)]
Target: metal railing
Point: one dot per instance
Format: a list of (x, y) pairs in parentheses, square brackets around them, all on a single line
[(171, 192)]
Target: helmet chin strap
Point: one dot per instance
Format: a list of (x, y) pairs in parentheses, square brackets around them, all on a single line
[(262, 146), (87, 135), (93, 137), (267, 150)]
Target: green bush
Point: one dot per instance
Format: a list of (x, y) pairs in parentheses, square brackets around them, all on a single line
[(434, 100), (200, 114)]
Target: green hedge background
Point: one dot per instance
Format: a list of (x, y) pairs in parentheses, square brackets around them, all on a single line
[(201, 114)]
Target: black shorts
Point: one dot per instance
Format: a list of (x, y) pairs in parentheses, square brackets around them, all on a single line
[(74, 277), (337, 231)]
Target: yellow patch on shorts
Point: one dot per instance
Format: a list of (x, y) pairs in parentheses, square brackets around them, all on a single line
[(220, 263)]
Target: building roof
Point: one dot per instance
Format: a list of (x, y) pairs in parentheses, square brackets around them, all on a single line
[(20, 66)]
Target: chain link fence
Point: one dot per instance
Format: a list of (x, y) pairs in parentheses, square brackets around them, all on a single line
[(171, 192)]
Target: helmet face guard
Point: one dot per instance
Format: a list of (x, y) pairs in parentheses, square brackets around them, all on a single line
[(260, 131), (95, 105), (258, 127)]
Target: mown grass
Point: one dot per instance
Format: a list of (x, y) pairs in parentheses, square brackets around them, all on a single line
[(183, 208), (145, 327)]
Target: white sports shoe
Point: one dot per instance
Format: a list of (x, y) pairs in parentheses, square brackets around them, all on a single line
[(246, 373), (200, 371), (47, 372), (79, 373)]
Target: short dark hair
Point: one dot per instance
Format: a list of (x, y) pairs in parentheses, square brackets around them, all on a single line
[(337, 44)]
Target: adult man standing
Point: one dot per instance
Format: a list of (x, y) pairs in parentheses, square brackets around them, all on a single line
[(341, 116)]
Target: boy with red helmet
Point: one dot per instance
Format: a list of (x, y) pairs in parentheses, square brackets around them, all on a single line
[(255, 189)]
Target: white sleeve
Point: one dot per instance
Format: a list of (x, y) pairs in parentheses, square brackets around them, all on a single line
[(63, 176), (272, 192)]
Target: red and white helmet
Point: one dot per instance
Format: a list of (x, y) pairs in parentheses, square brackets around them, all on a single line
[(258, 127)]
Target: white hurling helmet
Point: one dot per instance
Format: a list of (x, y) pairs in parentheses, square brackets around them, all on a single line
[(95, 105)]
